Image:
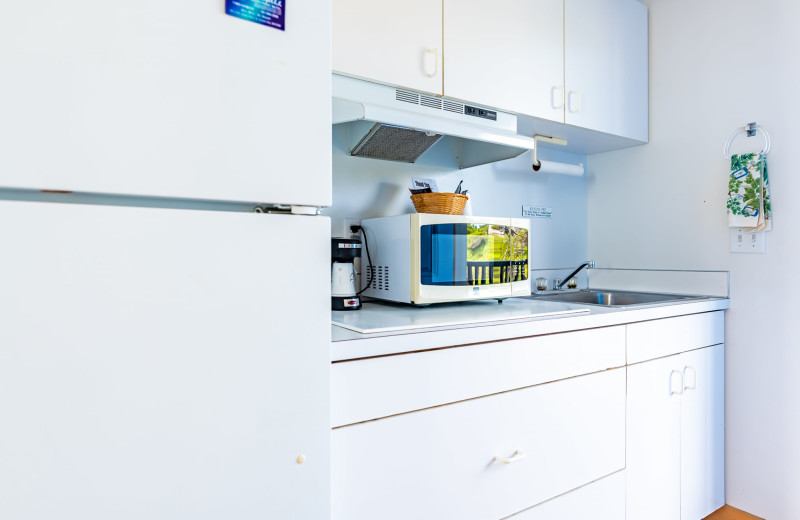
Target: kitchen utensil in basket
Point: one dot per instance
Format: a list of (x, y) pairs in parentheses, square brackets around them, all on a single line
[(442, 203)]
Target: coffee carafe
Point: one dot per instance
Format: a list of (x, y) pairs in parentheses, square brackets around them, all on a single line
[(344, 293)]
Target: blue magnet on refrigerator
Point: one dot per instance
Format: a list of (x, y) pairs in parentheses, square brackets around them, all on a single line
[(271, 13)]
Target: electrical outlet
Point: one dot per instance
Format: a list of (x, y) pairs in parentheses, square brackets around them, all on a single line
[(340, 227), (352, 222), (747, 241)]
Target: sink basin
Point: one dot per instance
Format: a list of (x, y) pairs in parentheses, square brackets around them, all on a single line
[(613, 298)]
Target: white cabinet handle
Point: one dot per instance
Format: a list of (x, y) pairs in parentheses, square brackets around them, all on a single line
[(686, 370), (560, 103), (576, 95), (516, 457), (431, 62), (680, 387)]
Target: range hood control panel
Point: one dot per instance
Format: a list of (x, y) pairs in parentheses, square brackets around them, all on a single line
[(480, 112)]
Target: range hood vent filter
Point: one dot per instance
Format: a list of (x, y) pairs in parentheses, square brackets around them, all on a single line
[(394, 143), (400, 125)]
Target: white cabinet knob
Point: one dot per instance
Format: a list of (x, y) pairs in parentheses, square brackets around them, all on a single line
[(681, 386), (689, 371), (574, 100), (431, 62), (557, 97)]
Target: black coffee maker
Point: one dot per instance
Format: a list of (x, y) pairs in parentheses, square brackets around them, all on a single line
[(344, 292)]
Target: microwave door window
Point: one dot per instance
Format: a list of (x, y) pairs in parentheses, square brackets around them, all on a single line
[(443, 255), (459, 262), (518, 242), (488, 254), (465, 254)]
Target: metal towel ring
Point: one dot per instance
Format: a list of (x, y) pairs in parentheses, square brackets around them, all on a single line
[(749, 130)]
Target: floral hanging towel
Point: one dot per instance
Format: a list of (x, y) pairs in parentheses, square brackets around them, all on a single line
[(748, 193)]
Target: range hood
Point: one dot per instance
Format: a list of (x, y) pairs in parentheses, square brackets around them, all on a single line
[(396, 124)]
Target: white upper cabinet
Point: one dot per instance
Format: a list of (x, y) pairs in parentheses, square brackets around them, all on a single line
[(398, 43), (511, 59), (606, 75), (579, 62)]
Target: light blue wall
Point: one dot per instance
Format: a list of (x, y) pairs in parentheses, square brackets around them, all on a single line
[(365, 188)]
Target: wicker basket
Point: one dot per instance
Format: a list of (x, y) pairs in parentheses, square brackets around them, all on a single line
[(442, 203)]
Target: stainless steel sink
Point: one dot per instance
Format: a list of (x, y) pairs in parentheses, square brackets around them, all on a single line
[(613, 298)]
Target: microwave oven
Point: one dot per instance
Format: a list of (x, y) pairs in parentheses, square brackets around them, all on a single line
[(425, 258)]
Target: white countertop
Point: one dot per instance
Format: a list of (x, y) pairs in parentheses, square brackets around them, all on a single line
[(410, 329), (379, 317)]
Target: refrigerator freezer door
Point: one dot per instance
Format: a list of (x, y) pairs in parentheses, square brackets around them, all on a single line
[(163, 364), (168, 99)]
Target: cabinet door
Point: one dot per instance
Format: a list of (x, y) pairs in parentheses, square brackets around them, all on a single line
[(703, 432), (509, 55), (398, 43), (653, 441), (605, 44)]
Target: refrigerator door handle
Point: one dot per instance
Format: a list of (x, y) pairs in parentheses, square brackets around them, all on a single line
[(305, 210)]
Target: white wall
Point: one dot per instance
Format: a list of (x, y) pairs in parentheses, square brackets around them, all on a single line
[(365, 188), (715, 66)]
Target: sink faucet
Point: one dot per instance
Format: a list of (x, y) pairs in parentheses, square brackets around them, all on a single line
[(589, 264)]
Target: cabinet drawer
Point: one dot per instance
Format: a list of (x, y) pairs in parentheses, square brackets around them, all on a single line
[(601, 500), (659, 338), (380, 387), (439, 463)]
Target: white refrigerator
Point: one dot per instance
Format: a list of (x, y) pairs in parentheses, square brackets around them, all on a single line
[(156, 362)]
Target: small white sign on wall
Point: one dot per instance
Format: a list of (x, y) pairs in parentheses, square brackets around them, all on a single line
[(537, 212)]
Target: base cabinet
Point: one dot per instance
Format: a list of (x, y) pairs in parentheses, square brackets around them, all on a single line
[(675, 436), (653, 446), (484, 458), (703, 433), (551, 427), (603, 499)]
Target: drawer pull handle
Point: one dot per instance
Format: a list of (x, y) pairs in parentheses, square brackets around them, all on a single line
[(516, 457)]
